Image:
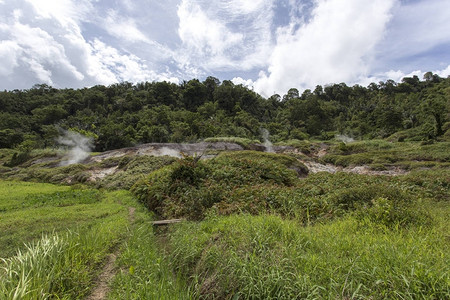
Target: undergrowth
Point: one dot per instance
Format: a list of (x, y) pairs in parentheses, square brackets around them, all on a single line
[(145, 272), (190, 187), (59, 265), (266, 257)]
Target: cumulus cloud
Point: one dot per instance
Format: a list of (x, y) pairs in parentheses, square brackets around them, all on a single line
[(9, 52), (336, 45), (268, 45), (224, 35), (239, 80), (43, 42)]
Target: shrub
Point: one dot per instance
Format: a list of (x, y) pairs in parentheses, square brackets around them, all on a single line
[(190, 187)]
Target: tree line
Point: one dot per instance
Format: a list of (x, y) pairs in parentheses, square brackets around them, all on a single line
[(126, 114)]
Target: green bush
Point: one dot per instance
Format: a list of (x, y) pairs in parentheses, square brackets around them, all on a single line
[(191, 187)]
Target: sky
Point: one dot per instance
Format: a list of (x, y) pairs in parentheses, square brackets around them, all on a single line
[(267, 45)]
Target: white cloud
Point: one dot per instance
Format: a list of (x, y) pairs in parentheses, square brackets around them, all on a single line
[(75, 43), (66, 12), (36, 50), (224, 35), (9, 52), (202, 34), (44, 43), (108, 65), (337, 45), (398, 75), (123, 28), (239, 80), (443, 73), (416, 27)]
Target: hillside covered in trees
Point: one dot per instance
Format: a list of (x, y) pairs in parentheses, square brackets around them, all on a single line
[(126, 114)]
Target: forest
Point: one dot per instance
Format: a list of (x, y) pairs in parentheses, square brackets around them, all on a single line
[(126, 114)]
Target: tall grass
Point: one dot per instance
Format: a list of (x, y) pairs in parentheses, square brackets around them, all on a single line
[(146, 273), (266, 257), (59, 266)]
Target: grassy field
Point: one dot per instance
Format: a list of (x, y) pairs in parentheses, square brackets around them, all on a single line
[(258, 226), (55, 239)]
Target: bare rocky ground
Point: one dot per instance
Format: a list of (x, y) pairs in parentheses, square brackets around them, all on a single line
[(209, 150), (171, 149), (206, 150)]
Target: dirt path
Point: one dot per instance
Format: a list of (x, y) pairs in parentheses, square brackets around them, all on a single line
[(101, 286)]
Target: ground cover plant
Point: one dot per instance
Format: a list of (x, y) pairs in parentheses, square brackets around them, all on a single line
[(191, 187), (407, 155), (257, 226), (145, 270), (267, 257), (281, 236), (55, 240)]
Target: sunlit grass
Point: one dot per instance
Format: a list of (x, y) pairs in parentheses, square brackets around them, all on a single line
[(265, 257)]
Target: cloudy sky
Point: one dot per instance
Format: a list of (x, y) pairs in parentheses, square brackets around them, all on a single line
[(266, 44)]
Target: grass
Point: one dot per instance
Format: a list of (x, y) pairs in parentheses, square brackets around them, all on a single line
[(146, 273), (408, 155), (28, 210), (263, 230), (60, 265), (55, 239), (266, 257)]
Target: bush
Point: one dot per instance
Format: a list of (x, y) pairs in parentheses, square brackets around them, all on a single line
[(190, 188)]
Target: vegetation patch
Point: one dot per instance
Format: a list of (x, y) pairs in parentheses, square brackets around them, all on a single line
[(266, 257), (190, 187)]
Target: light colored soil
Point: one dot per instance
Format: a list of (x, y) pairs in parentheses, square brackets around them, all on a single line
[(315, 167), (101, 288), (131, 211), (101, 173)]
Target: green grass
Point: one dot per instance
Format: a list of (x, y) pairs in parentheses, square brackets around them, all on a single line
[(60, 265), (55, 239), (266, 257), (146, 273), (263, 230), (409, 155), (28, 210)]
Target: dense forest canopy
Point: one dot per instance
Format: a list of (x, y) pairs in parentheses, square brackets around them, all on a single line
[(126, 114)]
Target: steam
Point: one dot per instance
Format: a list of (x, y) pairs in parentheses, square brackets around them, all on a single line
[(344, 138), (267, 143), (79, 147), (167, 151)]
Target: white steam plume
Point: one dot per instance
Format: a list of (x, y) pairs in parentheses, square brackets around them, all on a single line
[(267, 143), (167, 151), (344, 138), (79, 147)]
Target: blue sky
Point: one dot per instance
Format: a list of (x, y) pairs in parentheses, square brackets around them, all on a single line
[(268, 45)]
